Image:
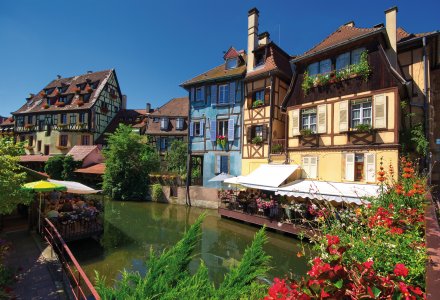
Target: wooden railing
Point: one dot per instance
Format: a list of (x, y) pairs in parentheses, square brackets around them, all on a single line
[(79, 283)]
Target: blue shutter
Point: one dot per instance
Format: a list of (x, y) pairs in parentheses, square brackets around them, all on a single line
[(203, 93), (191, 129), (224, 164), (232, 92), (213, 94), (193, 96), (231, 129), (213, 130), (202, 127), (217, 164)]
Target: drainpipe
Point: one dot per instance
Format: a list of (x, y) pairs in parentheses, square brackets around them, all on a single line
[(188, 160), (425, 102), (270, 119)]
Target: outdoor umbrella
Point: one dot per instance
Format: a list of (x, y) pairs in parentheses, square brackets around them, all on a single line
[(42, 186), (221, 177)]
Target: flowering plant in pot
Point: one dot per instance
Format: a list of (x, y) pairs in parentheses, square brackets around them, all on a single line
[(257, 103), (221, 140)]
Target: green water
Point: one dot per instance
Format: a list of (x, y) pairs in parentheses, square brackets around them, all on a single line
[(131, 228)]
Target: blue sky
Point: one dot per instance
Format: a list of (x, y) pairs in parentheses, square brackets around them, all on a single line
[(155, 46)]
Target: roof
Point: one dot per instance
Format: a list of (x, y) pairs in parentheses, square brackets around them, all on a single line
[(79, 152), (8, 122), (175, 108), (34, 158), (36, 102), (98, 169), (218, 73), (403, 36), (276, 59), (342, 35)]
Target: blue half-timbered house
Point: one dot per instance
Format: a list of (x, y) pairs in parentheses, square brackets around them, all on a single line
[(215, 120)]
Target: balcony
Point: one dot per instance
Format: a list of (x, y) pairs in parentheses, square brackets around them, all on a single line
[(278, 146), (71, 127)]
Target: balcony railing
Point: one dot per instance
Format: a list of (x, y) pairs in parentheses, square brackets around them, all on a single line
[(278, 146)]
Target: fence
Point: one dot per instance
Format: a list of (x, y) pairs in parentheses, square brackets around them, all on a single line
[(80, 285)]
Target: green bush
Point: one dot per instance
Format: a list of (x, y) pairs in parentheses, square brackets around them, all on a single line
[(157, 192)]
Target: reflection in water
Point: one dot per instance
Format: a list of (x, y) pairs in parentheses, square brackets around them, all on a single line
[(131, 228)]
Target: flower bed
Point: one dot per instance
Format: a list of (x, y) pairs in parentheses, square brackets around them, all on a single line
[(374, 252)]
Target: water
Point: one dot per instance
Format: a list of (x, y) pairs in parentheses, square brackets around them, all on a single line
[(131, 228)]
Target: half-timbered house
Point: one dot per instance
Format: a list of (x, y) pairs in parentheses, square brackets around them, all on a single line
[(69, 111), (266, 84), (215, 116)]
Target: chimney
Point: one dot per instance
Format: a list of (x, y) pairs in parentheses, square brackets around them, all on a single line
[(391, 28), (124, 102), (264, 38), (252, 37), (58, 76), (89, 72), (148, 108), (349, 24)]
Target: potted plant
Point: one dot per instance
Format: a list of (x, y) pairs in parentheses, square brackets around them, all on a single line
[(306, 132), (257, 140), (307, 83), (363, 128), (277, 148), (257, 103), (221, 140)]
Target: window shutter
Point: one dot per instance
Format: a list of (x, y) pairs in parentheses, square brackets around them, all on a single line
[(213, 94), (213, 130), (231, 129), (267, 96), (380, 106), (265, 132), (202, 127), (224, 164), (232, 92), (203, 93), (343, 116), (191, 129), (249, 134), (193, 94), (349, 166), (217, 164), (305, 167), (295, 121), (370, 167), (313, 170), (322, 118)]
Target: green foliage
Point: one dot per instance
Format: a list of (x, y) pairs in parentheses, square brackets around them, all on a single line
[(168, 276), (257, 140), (128, 164), (54, 167), (277, 148), (421, 144), (306, 132), (11, 177), (307, 83), (257, 103), (156, 192), (69, 165), (176, 157), (363, 127)]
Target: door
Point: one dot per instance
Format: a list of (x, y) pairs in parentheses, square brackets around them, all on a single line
[(46, 149), (197, 170)]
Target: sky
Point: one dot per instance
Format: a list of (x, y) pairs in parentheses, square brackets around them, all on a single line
[(155, 46)]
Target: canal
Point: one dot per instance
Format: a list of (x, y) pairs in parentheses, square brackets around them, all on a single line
[(131, 228)]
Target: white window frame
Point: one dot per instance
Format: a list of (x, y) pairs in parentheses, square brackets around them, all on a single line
[(363, 108), (230, 60), (179, 123), (222, 127), (196, 128), (309, 170), (306, 119), (223, 94)]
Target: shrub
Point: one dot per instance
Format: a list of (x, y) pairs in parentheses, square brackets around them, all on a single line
[(157, 192)]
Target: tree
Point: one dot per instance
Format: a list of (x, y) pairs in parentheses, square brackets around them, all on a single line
[(54, 167), (11, 176), (168, 276), (176, 157), (69, 166), (128, 163)]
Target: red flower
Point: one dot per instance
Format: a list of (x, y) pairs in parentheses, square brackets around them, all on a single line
[(396, 230), (332, 240), (400, 270), (368, 264)]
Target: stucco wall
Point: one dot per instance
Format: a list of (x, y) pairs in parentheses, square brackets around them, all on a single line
[(199, 196)]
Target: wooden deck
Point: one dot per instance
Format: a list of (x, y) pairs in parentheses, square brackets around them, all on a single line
[(272, 224)]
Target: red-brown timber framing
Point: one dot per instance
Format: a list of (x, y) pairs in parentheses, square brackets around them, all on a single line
[(433, 251), (79, 283)]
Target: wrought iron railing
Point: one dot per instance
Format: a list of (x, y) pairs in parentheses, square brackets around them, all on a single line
[(79, 283)]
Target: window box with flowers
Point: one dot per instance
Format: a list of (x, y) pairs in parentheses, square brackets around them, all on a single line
[(257, 103), (308, 138), (258, 140), (221, 140), (362, 134), (62, 147)]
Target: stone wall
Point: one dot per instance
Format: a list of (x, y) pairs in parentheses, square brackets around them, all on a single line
[(199, 196)]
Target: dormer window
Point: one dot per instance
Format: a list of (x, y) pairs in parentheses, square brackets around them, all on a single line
[(164, 123), (200, 93), (179, 123), (231, 63), (156, 120), (259, 59)]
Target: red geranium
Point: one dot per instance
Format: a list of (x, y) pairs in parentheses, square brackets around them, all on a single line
[(400, 270)]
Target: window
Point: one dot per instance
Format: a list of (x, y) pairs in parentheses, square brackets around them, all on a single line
[(179, 123), (163, 144), (356, 55), (30, 119), (39, 146), (258, 98), (360, 167), (308, 119), (73, 118), (360, 112), (259, 59), (231, 63), (85, 140), (325, 66), (31, 141), (40, 125), (222, 164), (156, 120), (258, 131), (63, 119), (164, 122), (197, 128), (63, 99), (63, 140), (20, 121), (222, 128), (223, 94), (309, 167), (342, 61), (313, 69), (86, 97), (200, 93), (82, 118)]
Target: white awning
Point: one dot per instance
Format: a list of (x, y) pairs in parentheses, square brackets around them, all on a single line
[(76, 187), (330, 191), (268, 177)]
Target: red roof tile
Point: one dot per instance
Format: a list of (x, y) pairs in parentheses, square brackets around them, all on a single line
[(80, 152), (231, 53), (34, 158), (276, 59), (176, 107), (98, 169)]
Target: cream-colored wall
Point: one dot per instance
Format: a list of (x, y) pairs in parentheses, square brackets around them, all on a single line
[(331, 163), (333, 119), (74, 138), (250, 165)]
